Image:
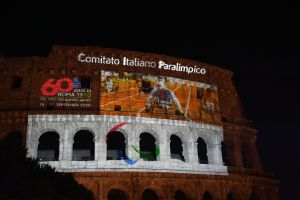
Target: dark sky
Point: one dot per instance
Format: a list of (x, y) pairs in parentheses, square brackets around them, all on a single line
[(259, 43)]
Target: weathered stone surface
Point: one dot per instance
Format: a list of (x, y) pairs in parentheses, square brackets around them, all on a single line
[(20, 111)]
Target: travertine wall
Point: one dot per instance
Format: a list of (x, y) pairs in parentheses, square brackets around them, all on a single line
[(236, 132), (162, 129)]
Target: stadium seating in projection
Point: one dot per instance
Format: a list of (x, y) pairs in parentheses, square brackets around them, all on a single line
[(146, 95)]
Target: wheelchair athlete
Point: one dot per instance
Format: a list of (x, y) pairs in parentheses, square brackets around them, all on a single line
[(164, 98)]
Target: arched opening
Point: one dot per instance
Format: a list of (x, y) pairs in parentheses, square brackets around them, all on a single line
[(229, 196), (207, 196), (116, 194), (48, 148), (148, 147), (246, 155), (83, 146), (176, 148), (179, 195), (116, 146), (224, 150), (202, 151), (149, 194), (254, 196)]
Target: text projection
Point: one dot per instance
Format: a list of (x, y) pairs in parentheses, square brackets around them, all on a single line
[(66, 92)]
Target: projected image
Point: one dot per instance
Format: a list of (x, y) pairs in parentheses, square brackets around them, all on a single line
[(147, 95), (66, 92)]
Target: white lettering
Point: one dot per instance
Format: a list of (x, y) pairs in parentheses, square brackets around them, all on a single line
[(80, 57), (181, 68), (136, 62)]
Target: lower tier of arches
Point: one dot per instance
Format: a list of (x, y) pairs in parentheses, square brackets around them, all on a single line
[(175, 186)]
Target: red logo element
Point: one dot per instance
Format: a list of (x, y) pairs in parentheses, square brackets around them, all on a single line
[(50, 88), (115, 128)]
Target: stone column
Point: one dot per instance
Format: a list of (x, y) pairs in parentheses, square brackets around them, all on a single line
[(102, 146), (65, 142), (34, 148), (61, 149), (29, 145), (132, 141), (214, 154), (164, 146), (157, 145), (193, 152), (96, 151), (185, 151)]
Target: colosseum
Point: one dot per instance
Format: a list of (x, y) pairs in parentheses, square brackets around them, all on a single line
[(133, 125)]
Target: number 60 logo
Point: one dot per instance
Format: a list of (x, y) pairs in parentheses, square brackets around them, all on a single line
[(52, 87)]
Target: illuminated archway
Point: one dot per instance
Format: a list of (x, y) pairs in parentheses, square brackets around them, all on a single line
[(176, 148), (147, 147), (48, 147), (224, 153), (116, 146), (83, 146), (202, 151)]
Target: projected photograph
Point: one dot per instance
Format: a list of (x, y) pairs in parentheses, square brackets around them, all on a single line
[(147, 95), (66, 92)]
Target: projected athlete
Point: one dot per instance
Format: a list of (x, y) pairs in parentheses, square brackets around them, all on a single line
[(116, 84), (108, 84), (162, 97)]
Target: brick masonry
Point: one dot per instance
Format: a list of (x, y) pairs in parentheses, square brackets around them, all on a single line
[(20, 104)]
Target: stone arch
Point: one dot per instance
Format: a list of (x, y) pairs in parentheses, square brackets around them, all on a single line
[(117, 194), (234, 192), (48, 146), (115, 149), (123, 188), (121, 129), (179, 133), (205, 135), (224, 150), (180, 195), (83, 128), (202, 151), (158, 190), (42, 131), (177, 147), (184, 188), (149, 194), (36, 136), (83, 147), (148, 145), (152, 132), (207, 196), (185, 138)]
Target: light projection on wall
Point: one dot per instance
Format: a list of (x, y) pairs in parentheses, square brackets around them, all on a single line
[(146, 95), (121, 155), (66, 92)]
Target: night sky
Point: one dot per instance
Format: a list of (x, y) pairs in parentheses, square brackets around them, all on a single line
[(259, 43)]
